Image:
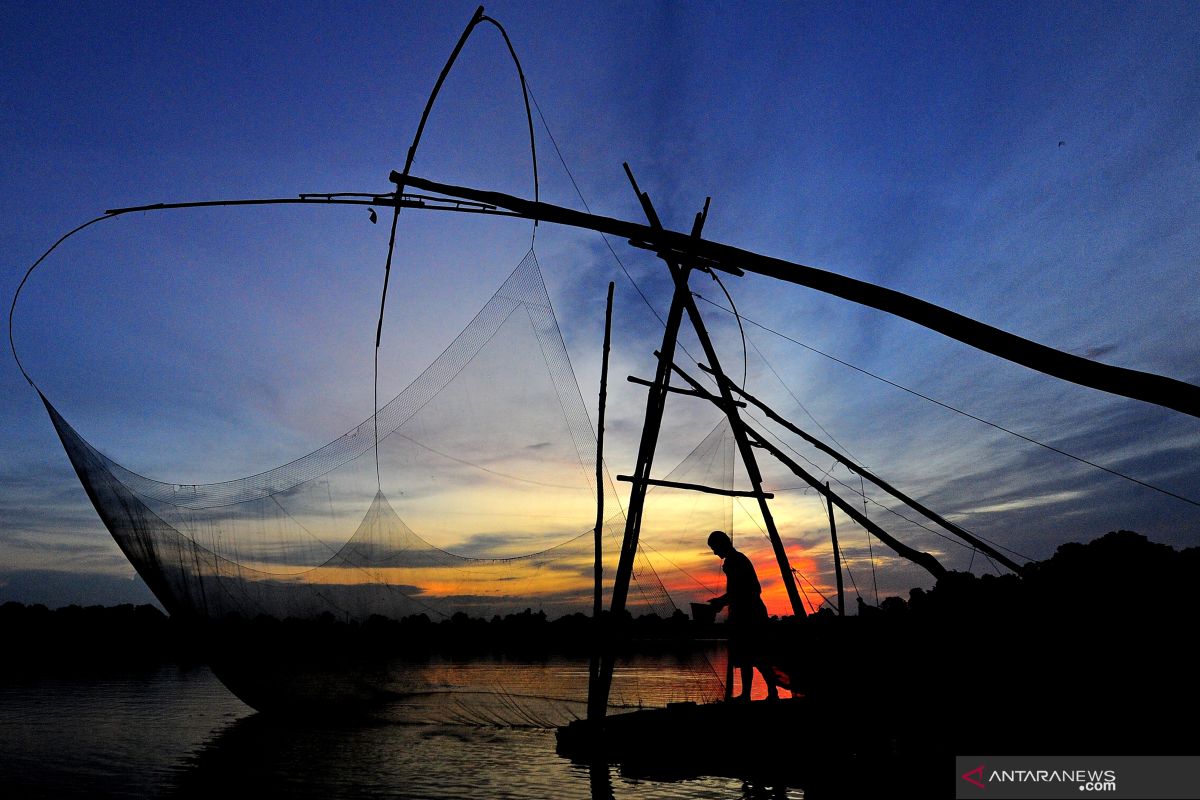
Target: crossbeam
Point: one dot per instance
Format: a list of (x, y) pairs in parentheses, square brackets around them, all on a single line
[(696, 487), (688, 392)]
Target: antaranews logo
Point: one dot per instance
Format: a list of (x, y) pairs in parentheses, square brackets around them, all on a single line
[(1088, 780), (975, 776)]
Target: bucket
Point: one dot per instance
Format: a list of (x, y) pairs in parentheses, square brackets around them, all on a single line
[(704, 613)]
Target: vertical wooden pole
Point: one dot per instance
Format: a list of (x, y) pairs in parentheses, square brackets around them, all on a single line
[(837, 557), (598, 600)]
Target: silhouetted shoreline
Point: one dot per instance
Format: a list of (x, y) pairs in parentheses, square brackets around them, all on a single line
[(1110, 613)]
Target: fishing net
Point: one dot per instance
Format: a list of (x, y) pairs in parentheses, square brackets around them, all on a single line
[(469, 523)]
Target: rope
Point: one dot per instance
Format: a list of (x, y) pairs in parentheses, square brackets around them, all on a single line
[(910, 520), (741, 330), (813, 586), (845, 562), (579, 193), (967, 414), (803, 408), (588, 208)]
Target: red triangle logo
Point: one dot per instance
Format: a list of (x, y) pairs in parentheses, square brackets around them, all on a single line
[(975, 776)]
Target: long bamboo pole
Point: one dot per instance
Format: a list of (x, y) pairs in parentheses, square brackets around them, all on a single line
[(1144, 386), (966, 536), (916, 556), (595, 710)]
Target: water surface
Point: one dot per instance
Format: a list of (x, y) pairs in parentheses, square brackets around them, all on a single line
[(176, 732)]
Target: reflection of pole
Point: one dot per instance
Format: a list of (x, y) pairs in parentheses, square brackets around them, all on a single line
[(837, 559), (598, 604)]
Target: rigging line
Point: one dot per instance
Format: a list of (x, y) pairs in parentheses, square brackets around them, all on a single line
[(588, 208), (827, 504), (813, 586), (304, 528), (480, 467), (796, 399), (741, 329), (811, 608), (570, 369), (687, 574), (910, 520), (967, 414), (607, 243), (579, 193), (828, 475)]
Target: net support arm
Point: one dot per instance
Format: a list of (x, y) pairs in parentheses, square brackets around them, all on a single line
[(1147, 387)]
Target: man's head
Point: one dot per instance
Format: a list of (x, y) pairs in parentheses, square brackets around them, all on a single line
[(720, 543)]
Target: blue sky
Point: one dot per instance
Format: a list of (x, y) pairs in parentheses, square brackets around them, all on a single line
[(1036, 166)]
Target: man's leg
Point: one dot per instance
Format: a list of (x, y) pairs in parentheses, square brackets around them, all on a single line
[(747, 681), (768, 674)]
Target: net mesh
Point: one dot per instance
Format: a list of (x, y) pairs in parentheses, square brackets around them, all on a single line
[(478, 502)]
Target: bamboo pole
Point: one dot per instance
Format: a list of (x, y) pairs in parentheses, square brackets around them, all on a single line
[(598, 592), (1144, 386), (655, 404), (880, 482), (918, 557)]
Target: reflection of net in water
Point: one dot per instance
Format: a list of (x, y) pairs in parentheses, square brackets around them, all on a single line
[(479, 499)]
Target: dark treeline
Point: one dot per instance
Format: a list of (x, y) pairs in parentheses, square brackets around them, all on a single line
[(75, 638), (1090, 652), (1117, 585)]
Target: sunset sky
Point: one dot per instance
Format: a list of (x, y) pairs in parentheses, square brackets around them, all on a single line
[(1035, 166)]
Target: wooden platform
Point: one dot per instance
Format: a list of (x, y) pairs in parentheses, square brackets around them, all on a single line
[(797, 743)]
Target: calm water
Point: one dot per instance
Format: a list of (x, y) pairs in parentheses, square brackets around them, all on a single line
[(176, 732)]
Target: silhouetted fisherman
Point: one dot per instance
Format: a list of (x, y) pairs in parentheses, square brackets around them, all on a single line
[(747, 615)]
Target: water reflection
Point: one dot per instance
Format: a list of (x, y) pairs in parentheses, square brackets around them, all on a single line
[(389, 759), (178, 733)]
